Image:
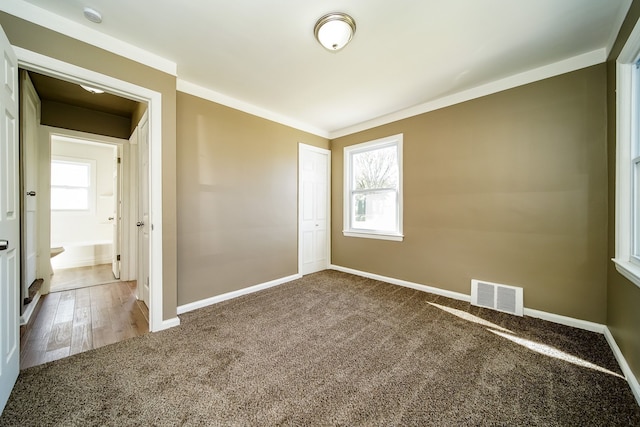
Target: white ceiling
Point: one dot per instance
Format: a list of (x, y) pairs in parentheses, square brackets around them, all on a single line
[(261, 55)]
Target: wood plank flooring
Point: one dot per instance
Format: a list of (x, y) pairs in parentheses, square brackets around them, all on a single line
[(72, 278), (73, 321)]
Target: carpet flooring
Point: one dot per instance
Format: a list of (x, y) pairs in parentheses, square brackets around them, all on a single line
[(335, 349)]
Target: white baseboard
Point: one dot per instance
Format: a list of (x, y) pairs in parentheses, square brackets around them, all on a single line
[(26, 316), (406, 284), (626, 370), (567, 321), (555, 318), (234, 294), (166, 324)]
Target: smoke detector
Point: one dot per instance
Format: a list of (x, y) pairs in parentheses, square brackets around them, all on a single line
[(92, 15)]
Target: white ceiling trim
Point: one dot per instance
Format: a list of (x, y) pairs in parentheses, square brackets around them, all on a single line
[(80, 32), (565, 66), (211, 95)]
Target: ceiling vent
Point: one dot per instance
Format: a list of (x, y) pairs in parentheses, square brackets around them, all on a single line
[(507, 299)]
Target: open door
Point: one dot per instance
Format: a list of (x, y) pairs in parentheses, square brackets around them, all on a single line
[(9, 222), (143, 210), (30, 119), (116, 218)]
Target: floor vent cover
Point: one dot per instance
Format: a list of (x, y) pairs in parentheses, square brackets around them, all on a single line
[(503, 298)]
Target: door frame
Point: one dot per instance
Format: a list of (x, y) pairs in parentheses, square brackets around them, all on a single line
[(301, 148), (33, 61), (50, 133), (118, 248)]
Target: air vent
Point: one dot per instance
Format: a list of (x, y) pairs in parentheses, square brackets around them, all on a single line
[(498, 297)]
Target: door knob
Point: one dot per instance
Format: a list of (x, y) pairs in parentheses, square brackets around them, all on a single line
[(139, 223), (31, 193), (4, 245), (110, 218)]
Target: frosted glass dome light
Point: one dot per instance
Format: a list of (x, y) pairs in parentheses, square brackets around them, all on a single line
[(335, 30)]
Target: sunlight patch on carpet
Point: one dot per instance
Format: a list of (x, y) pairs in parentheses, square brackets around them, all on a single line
[(555, 353), (469, 317)]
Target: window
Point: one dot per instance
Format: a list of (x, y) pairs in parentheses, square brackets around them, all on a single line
[(70, 185), (635, 168), (373, 189), (627, 258)]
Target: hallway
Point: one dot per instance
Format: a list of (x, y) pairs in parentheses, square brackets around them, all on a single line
[(73, 321)]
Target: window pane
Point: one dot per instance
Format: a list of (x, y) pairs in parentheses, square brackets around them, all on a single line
[(376, 169), (373, 189), (69, 198), (376, 211), (70, 174)]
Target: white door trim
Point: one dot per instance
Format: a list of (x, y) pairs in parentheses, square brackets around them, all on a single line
[(56, 68), (305, 147)]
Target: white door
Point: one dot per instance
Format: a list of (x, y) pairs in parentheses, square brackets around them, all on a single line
[(314, 164), (29, 123), (116, 217), (143, 210), (9, 222)]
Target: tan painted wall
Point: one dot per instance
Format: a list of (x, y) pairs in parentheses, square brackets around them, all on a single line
[(137, 116), (38, 39), (67, 116), (623, 297), (237, 199), (509, 188)]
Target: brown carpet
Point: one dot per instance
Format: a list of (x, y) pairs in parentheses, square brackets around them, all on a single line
[(335, 349)]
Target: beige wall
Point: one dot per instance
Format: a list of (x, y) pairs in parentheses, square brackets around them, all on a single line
[(137, 116), (509, 188), (65, 116), (237, 199), (623, 297), (38, 39)]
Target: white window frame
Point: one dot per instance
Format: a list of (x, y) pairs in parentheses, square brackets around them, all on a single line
[(91, 190), (627, 232), (349, 151)]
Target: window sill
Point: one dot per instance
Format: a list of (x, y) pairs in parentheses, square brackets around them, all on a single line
[(628, 269), (380, 236)]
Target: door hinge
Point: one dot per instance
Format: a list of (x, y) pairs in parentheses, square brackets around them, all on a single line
[(118, 258), (119, 159)]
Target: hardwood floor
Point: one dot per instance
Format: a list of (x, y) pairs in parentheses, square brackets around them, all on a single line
[(72, 278), (73, 321)]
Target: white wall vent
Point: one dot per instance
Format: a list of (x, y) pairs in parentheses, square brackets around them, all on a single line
[(504, 298)]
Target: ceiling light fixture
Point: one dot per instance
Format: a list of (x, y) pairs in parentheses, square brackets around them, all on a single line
[(334, 30), (91, 89), (92, 15)]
